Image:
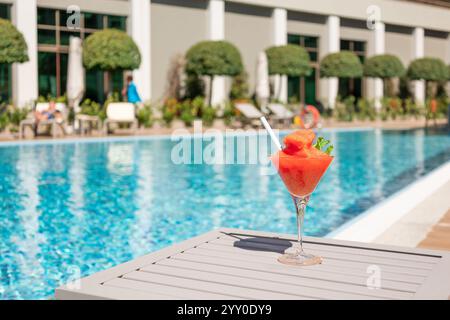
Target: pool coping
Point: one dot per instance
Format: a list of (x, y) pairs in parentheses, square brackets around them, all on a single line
[(372, 223), (177, 133)]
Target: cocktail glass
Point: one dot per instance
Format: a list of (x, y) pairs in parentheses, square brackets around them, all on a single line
[(300, 176)]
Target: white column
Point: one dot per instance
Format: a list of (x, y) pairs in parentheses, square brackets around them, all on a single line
[(25, 75), (447, 61), (333, 45), (140, 32), (418, 52), (216, 31), (279, 20), (379, 48)]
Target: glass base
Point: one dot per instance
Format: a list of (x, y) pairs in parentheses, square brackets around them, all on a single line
[(299, 259)]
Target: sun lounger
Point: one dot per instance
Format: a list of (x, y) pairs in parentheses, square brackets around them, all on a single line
[(54, 124), (238, 264), (120, 112), (249, 114), (281, 115)]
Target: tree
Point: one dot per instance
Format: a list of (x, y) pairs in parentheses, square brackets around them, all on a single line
[(13, 47), (343, 64), (290, 60), (213, 58), (110, 50), (386, 67), (432, 70)]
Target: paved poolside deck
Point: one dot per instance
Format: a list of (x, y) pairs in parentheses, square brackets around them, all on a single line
[(328, 123), (439, 236)]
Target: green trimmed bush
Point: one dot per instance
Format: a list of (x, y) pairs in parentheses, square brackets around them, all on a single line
[(213, 58), (428, 69), (386, 67), (110, 50), (343, 64), (291, 60), (13, 47), (383, 66), (432, 70)]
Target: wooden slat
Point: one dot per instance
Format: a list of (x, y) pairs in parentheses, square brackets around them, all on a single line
[(389, 262), (230, 239), (311, 273), (392, 273), (175, 281), (288, 279), (267, 287), (164, 290), (346, 267)]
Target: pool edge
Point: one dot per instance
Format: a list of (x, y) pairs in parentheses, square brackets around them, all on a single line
[(372, 223)]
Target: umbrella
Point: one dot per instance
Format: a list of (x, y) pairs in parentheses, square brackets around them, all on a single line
[(75, 74), (262, 81)]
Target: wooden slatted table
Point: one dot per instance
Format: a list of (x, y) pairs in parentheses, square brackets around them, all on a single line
[(237, 264)]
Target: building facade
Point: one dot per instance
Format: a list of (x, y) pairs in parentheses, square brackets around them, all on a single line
[(164, 29)]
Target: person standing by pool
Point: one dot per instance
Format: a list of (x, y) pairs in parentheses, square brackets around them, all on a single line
[(130, 92)]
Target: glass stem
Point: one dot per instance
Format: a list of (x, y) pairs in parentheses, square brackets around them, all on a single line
[(300, 206)]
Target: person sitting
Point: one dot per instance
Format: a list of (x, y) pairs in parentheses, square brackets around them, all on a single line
[(49, 114)]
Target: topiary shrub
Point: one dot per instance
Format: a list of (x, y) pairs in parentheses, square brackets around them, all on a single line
[(386, 67), (343, 64), (291, 60), (13, 47), (110, 50), (432, 70), (213, 58), (428, 69)]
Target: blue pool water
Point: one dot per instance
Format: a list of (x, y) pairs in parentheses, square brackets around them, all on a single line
[(86, 206)]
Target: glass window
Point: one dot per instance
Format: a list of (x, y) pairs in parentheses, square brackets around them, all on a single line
[(293, 39), (5, 11), (46, 16), (47, 73), (65, 37), (117, 22), (345, 45), (352, 87), (117, 81), (53, 43), (5, 82), (95, 85), (63, 62), (304, 89), (5, 69), (46, 36), (93, 20), (310, 42)]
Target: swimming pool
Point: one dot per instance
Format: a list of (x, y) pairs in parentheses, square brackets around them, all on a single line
[(83, 206)]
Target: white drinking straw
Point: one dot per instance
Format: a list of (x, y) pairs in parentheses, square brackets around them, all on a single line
[(271, 133)]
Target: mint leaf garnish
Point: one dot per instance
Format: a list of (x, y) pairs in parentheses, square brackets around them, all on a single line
[(322, 143)]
